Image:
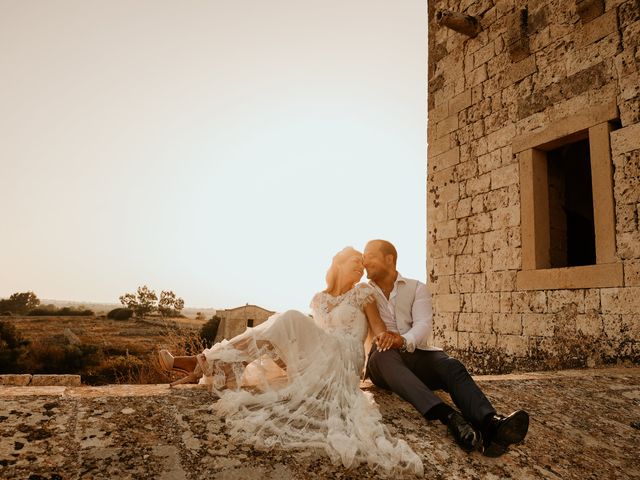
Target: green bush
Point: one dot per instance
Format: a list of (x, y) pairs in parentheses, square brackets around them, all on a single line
[(46, 357), (120, 314)]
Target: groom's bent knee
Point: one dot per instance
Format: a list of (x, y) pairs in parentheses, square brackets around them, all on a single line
[(383, 365)]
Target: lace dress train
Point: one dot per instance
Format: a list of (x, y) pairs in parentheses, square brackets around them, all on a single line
[(293, 382)]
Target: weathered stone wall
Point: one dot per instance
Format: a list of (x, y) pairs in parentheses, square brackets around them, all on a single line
[(534, 66)]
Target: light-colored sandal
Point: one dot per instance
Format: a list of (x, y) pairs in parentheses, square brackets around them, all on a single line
[(166, 362)]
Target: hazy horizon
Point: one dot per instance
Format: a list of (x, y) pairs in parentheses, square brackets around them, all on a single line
[(222, 150)]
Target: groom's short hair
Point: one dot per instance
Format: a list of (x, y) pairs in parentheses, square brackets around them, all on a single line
[(387, 248)]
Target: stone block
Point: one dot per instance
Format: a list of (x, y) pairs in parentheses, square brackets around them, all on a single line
[(507, 323), (504, 176), (55, 380), (632, 273), (474, 322), (460, 102), (557, 300), (501, 281), (489, 161), (625, 139), (505, 217), (589, 9), (620, 300), (463, 284), (446, 160), (484, 54), (592, 300), (485, 302), (482, 341), (439, 146), (506, 303), (621, 327), (15, 380), (447, 125), (439, 113), (529, 302), (467, 264), (446, 230), (589, 324), (540, 325), (599, 28), (477, 76), (480, 184), (463, 208), (445, 321), (447, 303), (520, 70), (500, 138), (479, 223), (444, 265), (515, 345), (500, 198), (509, 258)]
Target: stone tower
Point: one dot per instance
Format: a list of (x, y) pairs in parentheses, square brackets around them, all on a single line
[(534, 181)]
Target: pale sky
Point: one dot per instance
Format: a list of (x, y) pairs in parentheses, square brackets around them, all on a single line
[(225, 150)]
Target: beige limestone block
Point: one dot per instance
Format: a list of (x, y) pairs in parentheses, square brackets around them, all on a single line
[(439, 146), (477, 76), (632, 273), (520, 70), (489, 161), (599, 28), (504, 281), (464, 284), (505, 217), (446, 230), (504, 176), (495, 240), (509, 258), (460, 102), (592, 300), (475, 186), (446, 339), (444, 265), (625, 139), (482, 341), (515, 345), (55, 380), (529, 301), (621, 327), (473, 322), (447, 125), (485, 302), (620, 300), (628, 245), (557, 300), (500, 138), (540, 325), (463, 208), (15, 380), (467, 264), (447, 303), (439, 113), (446, 160), (479, 223), (484, 54), (500, 198), (445, 320), (507, 323), (589, 324), (506, 303)]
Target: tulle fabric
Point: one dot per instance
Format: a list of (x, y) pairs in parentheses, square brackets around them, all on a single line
[(293, 382)]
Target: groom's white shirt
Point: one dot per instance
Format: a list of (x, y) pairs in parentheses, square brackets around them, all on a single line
[(421, 313)]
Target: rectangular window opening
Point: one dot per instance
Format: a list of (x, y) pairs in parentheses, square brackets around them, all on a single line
[(250, 323), (571, 217)]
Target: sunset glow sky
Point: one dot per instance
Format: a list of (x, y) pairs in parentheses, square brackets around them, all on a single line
[(225, 150)]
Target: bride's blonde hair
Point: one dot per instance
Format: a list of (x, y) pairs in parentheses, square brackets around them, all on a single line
[(332, 273)]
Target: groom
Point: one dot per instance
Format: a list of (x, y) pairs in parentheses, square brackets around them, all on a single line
[(413, 369)]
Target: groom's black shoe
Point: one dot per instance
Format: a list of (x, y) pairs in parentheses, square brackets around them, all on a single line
[(501, 431), (466, 436)]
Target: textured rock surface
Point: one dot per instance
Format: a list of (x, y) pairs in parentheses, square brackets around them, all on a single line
[(581, 427)]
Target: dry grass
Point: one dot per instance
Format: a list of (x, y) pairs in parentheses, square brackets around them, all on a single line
[(118, 351)]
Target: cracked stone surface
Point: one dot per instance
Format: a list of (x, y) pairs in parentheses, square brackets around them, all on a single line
[(584, 424)]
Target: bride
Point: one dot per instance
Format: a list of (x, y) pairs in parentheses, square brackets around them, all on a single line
[(294, 381)]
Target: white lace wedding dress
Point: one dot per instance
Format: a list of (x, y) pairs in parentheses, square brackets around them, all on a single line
[(300, 387)]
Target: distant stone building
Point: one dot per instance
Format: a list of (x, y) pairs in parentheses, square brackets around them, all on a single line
[(534, 181), (236, 320)]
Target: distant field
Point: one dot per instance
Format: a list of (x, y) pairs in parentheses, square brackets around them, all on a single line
[(126, 349)]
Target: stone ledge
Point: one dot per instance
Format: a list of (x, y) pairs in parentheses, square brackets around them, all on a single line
[(23, 380)]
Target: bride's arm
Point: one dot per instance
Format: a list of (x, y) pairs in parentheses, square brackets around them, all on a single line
[(377, 326)]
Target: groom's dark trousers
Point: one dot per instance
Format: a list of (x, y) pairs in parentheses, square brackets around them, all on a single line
[(415, 375)]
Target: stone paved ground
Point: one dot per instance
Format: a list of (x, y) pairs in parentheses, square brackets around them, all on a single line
[(581, 427)]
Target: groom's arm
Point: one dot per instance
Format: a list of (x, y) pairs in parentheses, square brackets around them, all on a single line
[(422, 316)]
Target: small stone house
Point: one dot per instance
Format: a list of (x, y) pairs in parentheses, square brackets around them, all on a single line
[(236, 320), (533, 189)]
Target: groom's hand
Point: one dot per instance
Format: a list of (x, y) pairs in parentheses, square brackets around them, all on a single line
[(388, 340)]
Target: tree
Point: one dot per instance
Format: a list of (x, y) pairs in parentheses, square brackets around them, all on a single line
[(209, 330), (20, 302), (169, 304), (142, 302), (12, 345)]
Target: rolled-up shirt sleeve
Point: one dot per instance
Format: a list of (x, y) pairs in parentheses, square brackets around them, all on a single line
[(422, 315)]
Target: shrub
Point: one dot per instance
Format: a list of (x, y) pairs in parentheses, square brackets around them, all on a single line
[(51, 311), (5, 314), (46, 357), (120, 314), (209, 330), (12, 345)]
